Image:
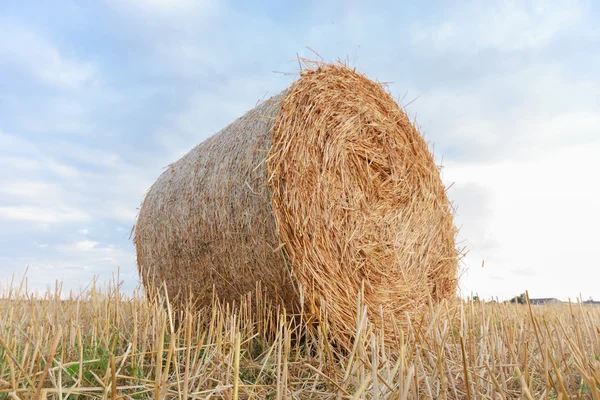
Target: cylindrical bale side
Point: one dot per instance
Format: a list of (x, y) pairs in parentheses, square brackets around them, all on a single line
[(327, 188), (206, 223)]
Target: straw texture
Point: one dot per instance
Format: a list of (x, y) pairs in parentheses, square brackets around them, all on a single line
[(206, 222), (322, 193)]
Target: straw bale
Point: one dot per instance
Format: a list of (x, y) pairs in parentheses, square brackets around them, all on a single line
[(320, 193)]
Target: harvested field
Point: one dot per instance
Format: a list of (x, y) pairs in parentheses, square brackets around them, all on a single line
[(103, 344)]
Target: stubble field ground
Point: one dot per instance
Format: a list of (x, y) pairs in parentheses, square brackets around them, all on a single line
[(100, 343)]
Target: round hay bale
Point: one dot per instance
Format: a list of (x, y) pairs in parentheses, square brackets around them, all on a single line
[(318, 193)]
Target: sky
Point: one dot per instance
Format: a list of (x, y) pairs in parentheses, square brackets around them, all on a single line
[(97, 98)]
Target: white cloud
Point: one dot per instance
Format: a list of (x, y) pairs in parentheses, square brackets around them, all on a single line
[(16, 145), (84, 154), (504, 26), (63, 114), (112, 192), (62, 170), (19, 163), (576, 126), (473, 203), (42, 215), (74, 272), (30, 190), (161, 7), (124, 214), (74, 265), (543, 215), (516, 115), (85, 245), (162, 17), (35, 54), (206, 113)]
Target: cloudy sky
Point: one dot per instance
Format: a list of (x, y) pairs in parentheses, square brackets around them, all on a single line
[(96, 98)]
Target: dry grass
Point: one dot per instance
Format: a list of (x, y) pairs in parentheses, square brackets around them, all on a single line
[(313, 193), (102, 344)]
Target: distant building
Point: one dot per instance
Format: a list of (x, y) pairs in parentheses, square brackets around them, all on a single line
[(592, 302)]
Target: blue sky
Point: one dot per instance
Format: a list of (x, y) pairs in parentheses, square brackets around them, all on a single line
[(96, 98)]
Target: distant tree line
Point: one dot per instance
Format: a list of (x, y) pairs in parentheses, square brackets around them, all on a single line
[(520, 299)]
